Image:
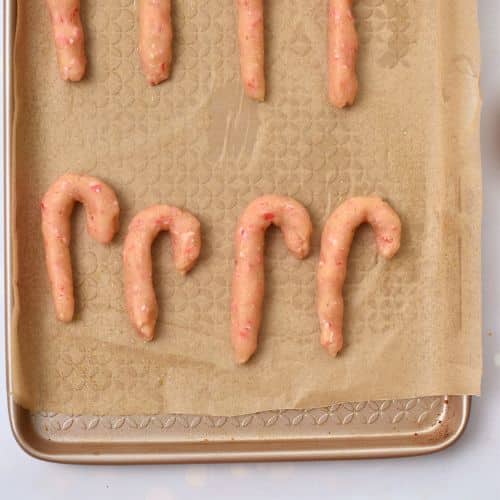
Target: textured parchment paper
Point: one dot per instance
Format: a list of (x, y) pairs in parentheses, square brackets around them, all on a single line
[(412, 325)]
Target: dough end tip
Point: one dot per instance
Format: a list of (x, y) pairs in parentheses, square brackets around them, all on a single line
[(242, 357), (146, 332)]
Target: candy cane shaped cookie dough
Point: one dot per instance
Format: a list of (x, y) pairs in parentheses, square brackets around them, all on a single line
[(155, 39), (68, 37), (336, 242), (342, 53), (102, 211), (138, 267), (248, 277), (251, 36)]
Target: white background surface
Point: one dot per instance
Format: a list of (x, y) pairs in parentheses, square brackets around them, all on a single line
[(468, 469)]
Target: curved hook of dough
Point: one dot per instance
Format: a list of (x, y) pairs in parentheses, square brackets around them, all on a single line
[(68, 37), (138, 267), (251, 40), (336, 243), (102, 210), (342, 53), (248, 276), (155, 39)]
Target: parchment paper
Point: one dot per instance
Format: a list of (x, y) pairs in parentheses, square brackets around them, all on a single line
[(412, 325)]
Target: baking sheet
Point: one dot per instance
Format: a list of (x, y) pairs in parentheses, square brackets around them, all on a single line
[(412, 325)]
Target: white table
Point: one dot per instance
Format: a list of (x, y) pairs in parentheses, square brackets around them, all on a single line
[(470, 468)]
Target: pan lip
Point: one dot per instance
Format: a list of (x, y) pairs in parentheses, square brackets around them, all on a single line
[(7, 56), (126, 457), (199, 456)]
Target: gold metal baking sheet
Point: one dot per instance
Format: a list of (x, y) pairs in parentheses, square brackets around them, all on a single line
[(341, 430)]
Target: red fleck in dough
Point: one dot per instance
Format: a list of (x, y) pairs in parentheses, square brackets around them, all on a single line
[(68, 37), (342, 53), (144, 228), (336, 243), (248, 277), (155, 39), (251, 36), (102, 210)]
